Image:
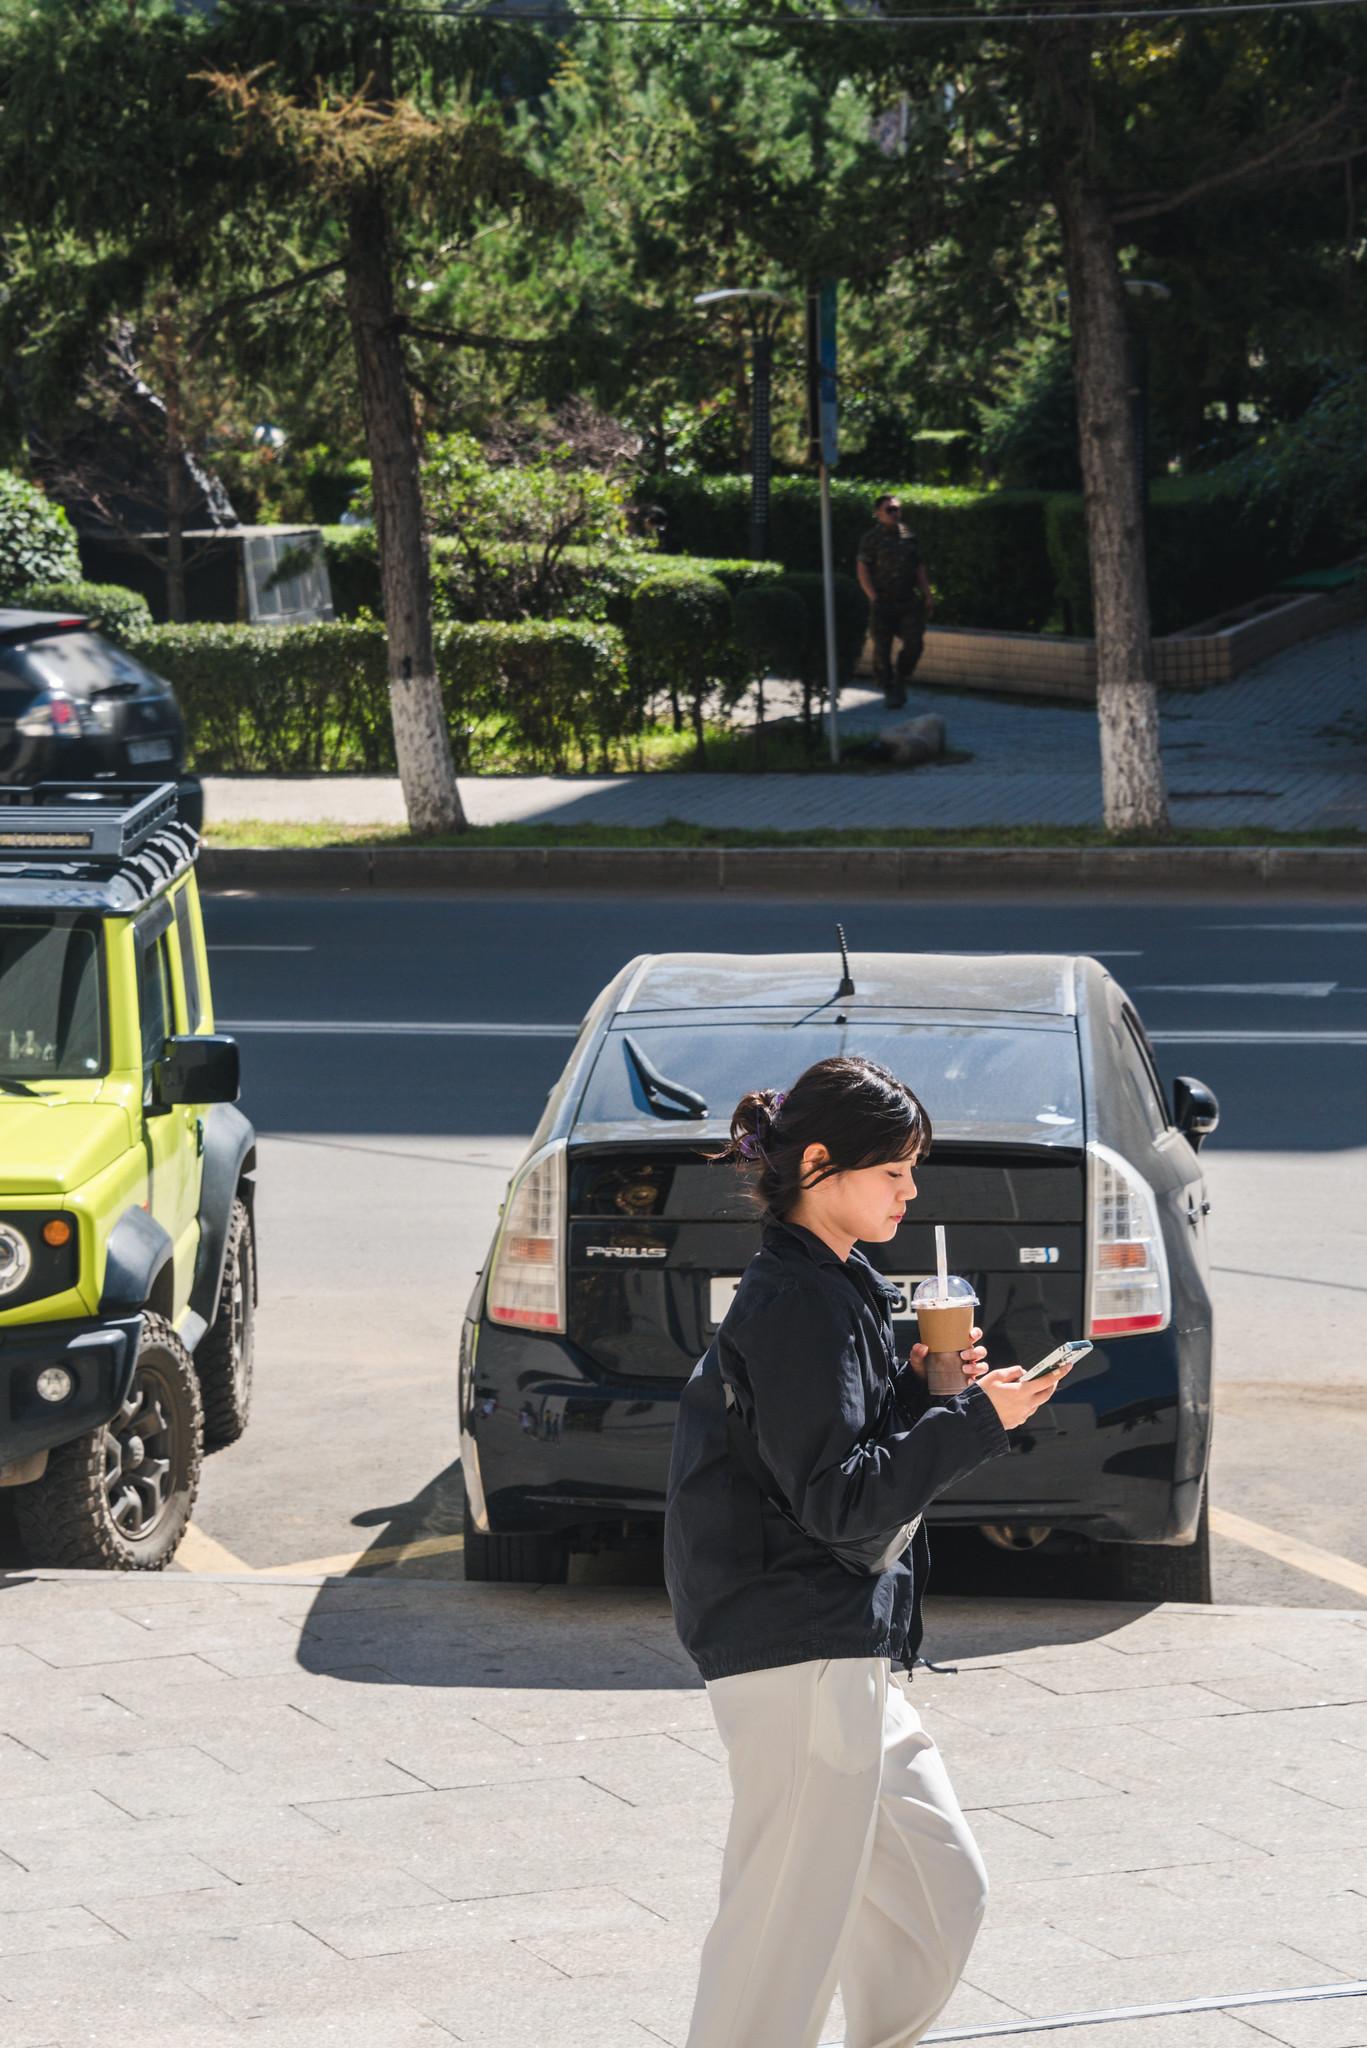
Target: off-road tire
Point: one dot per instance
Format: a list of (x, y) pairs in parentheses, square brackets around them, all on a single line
[(66, 1518), (1162, 1571), (224, 1357), (537, 1560)]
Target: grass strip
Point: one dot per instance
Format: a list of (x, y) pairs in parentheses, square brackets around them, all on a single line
[(322, 833)]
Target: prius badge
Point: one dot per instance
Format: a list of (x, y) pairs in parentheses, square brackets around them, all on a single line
[(1039, 1254)]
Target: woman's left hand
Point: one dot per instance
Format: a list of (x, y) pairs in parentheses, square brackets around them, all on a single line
[(974, 1361)]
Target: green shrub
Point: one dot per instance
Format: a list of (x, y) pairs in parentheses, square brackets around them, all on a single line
[(37, 544), (533, 698), (851, 627), (110, 607), (1211, 546), (769, 623), (681, 638), (987, 551)]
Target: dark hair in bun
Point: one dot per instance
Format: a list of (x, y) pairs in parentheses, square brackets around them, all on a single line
[(861, 1113)]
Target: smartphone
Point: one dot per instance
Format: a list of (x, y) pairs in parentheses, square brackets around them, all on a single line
[(1067, 1354)]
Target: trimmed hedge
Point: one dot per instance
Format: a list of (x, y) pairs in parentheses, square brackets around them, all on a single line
[(532, 698), (1210, 549), (111, 608), (587, 584), (987, 551)]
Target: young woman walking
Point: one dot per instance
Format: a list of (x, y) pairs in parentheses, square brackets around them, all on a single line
[(804, 1456)]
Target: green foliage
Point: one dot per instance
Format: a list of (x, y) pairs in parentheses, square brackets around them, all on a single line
[(1212, 546), (769, 623), (1310, 476), (851, 627), (986, 550), (111, 608), (681, 638), (1029, 430), (37, 544), (536, 697)]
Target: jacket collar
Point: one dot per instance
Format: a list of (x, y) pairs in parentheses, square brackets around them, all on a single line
[(777, 1228)]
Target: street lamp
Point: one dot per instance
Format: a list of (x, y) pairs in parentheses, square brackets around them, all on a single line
[(762, 311)]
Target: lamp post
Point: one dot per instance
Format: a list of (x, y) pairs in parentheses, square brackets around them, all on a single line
[(762, 311)]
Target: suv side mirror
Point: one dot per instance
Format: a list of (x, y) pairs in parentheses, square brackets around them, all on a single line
[(205, 1067), (1198, 1112)]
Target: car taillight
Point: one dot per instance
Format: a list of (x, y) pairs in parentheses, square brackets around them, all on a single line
[(1130, 1290), (527, 1274)]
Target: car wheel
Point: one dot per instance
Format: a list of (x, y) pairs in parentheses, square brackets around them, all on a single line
[(1162, 1571), (120, 1497), (536, 1560), (224, 1357)]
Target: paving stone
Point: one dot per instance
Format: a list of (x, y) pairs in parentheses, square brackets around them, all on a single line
[(1174, 2030), (53, 1927), (1034, 1972), (1322, 2023), (516, 1916), (218, 1906)]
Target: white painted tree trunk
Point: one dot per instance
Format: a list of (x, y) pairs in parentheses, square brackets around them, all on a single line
[(1134, 798), (422, 741)]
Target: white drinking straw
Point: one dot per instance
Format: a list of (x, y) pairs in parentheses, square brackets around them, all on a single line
[(941, 1265)]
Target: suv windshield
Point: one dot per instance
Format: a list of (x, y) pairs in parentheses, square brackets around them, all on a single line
[(977, 1080), (49, 1001)]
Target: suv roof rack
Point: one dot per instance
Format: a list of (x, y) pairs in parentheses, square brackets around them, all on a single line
[(102, 821)]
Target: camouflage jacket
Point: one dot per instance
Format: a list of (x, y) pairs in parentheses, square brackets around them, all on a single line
[(892, 558)]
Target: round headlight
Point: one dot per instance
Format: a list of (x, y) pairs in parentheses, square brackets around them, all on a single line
[(16, 1260), (54, 1383)]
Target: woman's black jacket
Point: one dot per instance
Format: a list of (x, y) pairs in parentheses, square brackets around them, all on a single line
[(854, 1447)]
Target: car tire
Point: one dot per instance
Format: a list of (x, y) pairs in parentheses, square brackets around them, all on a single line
[(533, 1560), (104, 1504), (224, 1356), (1162, 1571)]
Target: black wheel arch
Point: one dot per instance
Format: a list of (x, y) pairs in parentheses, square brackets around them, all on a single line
[(140, 1254), (229, 1173)]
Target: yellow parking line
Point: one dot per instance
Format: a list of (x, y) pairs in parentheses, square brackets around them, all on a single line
[(390, 1553), (197, 1552), (1306, 1557)]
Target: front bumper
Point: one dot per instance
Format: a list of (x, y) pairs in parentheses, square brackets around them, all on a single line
[(1119, 1454), (99, 1353)]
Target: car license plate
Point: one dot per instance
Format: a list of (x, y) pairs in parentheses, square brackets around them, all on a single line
[(150, 750), (721, 1292)]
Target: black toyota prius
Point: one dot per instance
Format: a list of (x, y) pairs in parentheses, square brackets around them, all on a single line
[(1066, 1179)]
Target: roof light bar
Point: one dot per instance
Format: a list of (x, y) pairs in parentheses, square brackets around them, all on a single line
[(104, 820)]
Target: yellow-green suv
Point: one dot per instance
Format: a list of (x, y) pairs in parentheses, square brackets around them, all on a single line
[(127, 1179)]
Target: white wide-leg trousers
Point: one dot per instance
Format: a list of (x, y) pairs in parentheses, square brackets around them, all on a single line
[(848, 1861)]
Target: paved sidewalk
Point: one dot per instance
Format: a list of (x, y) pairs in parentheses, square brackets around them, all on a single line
[(1267, 749), (392, 1813)]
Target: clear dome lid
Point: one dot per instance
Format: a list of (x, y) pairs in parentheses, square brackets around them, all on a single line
[(928, 1294)]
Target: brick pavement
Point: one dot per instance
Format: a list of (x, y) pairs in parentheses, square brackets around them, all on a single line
[(384, 1812), (1266, 750)]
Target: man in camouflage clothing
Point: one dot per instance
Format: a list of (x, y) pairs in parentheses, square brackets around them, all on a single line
[(893, 578)]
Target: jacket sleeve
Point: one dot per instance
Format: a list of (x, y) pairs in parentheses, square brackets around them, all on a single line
[(844, 1473)]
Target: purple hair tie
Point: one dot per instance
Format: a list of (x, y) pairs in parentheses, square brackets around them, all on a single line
[(749, 1146), (779, 1101)]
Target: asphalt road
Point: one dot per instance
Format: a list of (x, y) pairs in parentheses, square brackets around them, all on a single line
[(397, 1052)]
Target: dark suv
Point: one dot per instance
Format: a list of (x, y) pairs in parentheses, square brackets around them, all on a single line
[(1067, 1179), (76, 708)]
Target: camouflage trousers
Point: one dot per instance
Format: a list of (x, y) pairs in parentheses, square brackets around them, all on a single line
[(904, 620)]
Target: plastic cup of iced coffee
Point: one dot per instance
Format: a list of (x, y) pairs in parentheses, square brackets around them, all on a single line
[(944, 1315)]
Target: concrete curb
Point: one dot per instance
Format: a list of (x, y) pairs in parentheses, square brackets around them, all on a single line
[(790, 871)]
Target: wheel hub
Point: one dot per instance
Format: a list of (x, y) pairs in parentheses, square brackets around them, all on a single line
[(140, 1457)]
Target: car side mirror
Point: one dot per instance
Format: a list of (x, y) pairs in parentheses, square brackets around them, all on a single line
[(1197, 1111), (205, 1067)]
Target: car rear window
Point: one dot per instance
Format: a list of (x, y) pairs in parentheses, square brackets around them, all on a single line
[(78, 663), (1007, 1081), (49, 1002)]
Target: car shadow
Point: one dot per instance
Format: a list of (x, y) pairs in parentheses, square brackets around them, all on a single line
[(414, 1621)]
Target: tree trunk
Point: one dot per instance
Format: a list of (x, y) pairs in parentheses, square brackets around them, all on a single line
[(422, 741), (1134, 798), (175, 536)]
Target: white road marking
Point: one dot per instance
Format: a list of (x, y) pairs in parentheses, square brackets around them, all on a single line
[(1282, 927), (1237, 988), (263, 949), (384, 1027), (1306, 1557)]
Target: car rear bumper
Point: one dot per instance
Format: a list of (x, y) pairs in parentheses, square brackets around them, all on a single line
[(99, 1354), (1119, 1454)]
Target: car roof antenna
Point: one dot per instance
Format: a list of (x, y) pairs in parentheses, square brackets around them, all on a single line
[(846, 987)]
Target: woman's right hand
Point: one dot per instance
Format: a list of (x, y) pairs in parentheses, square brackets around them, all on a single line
[(1016, 1403)]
